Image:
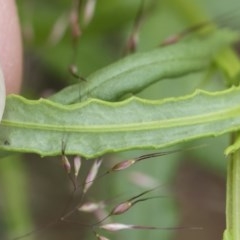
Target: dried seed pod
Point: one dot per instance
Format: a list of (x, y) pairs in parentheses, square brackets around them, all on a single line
[(89, 10), (121, 208), (58, 30), (112, 227), (77, 161), (66, 164), (74, 20), (65, 161), (122, 165), (92, 175), (125, 206), (91, 206), (128, 163)]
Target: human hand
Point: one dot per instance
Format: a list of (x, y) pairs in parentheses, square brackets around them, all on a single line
[(10, 46)]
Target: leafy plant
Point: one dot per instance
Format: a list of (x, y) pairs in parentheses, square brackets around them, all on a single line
[(99, 116)]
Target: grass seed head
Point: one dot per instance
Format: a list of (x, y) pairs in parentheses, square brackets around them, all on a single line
[(121, 208), (91, 206), (66, 164), (89, 10), (92, 175), (122, 165), (77, 161), (113, 227)]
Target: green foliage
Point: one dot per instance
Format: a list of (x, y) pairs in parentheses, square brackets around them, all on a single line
[(95, 127), (98, 116), (138, 71)]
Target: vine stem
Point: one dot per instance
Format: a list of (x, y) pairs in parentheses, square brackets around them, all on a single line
[(232, 231)]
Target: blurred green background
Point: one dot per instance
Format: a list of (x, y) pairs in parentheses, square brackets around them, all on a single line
[(35, 191)]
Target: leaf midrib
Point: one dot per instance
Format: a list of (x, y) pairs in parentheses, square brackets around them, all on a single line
[(131, 127)]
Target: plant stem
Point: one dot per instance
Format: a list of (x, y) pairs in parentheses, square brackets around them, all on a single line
[(232, 231)]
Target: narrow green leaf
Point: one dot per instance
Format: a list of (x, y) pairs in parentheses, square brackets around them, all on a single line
[(96, 127), (134, 73)]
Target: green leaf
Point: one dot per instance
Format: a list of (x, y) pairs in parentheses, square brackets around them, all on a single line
[(96, 127), (2, 94), (134, 73)]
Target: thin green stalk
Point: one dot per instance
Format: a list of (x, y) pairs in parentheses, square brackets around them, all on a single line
[(232, 231)]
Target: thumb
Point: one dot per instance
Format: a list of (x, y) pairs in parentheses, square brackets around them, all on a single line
[(10, 46)]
